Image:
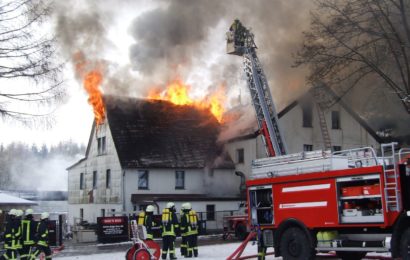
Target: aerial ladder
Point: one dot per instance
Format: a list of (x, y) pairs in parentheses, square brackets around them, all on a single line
[(240, 41)]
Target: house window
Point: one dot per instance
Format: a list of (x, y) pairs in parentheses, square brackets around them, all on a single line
[(240, 155), (113, 212), (335, 120), (102, 212), (101, 145), (179, 179), (94, 179), (210, 212), (307, 147), (143, 179), (336, 148), (108, 179), (307, 115), (81, 181), (81, 213)]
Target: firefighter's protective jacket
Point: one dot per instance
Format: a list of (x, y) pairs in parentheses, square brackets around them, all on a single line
[(28, 231), (12, 235), (42, 233), (189, 223), (149, 223), (170, 225)]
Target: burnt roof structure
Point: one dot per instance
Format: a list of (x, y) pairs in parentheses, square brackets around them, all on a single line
[(159, 134)]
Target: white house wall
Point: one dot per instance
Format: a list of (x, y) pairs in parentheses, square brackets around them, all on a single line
[(78, 198), (252, 147), (351, 133), (197, 181), (91, 211)]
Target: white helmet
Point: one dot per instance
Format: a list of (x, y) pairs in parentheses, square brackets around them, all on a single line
[(19, 213), (12, 212), (44, 215), (188, 205), (29, 212), (170, 205), (149, 208)]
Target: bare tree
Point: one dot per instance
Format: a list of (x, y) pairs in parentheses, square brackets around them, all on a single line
[(30, 73), (355, 41)]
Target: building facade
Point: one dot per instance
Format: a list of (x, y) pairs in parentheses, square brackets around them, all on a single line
[(301, 128), (150, 152)]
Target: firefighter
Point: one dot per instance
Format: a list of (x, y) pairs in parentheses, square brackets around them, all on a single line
[(239, 32), (149, 221), (191, 231), (11, 236), (170, 228), (182, 226), (42, 237), (28, 231)]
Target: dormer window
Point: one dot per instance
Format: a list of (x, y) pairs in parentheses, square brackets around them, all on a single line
[(101, 145)]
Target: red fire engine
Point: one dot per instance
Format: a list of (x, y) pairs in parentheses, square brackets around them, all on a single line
[(350, 202)]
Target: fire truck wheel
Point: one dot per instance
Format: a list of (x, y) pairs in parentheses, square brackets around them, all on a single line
[(240, 231), (293, 245), (350, 255), (142, 254), (405, 245)]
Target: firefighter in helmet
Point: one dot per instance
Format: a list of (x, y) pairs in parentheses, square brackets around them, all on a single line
[(28, 231), (149, 221), (189, 228), (182, 228), (12, 235), (170, 227), (42, 236)]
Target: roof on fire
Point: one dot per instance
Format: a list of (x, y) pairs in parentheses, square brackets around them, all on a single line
[(159, 134)]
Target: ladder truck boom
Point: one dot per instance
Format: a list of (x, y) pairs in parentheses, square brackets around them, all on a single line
[(240, 41)]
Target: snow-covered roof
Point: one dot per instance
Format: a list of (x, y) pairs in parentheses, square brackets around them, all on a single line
[(6, 199)]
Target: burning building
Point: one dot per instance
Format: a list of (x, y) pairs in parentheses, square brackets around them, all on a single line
[(151, 151)]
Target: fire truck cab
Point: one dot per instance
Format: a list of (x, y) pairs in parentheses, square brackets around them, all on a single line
[(351, 202)]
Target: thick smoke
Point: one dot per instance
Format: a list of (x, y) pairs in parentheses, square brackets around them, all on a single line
[(174, 35), (185, 35)]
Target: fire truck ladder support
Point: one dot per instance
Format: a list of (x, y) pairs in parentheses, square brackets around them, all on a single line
[(390, 170)]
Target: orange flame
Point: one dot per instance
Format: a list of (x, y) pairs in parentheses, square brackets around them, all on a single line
[(178, 93), (92, 79)]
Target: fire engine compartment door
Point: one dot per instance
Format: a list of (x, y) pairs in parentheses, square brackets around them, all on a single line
[(261, 205)]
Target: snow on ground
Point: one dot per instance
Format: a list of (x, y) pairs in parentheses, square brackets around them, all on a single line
[(210, 252)]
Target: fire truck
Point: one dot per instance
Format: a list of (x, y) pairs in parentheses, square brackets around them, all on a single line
[(350, 202)]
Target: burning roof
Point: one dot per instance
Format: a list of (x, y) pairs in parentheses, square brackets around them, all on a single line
[(159, 134)]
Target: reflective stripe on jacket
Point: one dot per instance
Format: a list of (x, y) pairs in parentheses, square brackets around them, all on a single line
[(42, 233)]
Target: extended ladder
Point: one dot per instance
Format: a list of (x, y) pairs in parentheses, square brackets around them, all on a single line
[(391, 174), (323, 127), (240, 42)]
